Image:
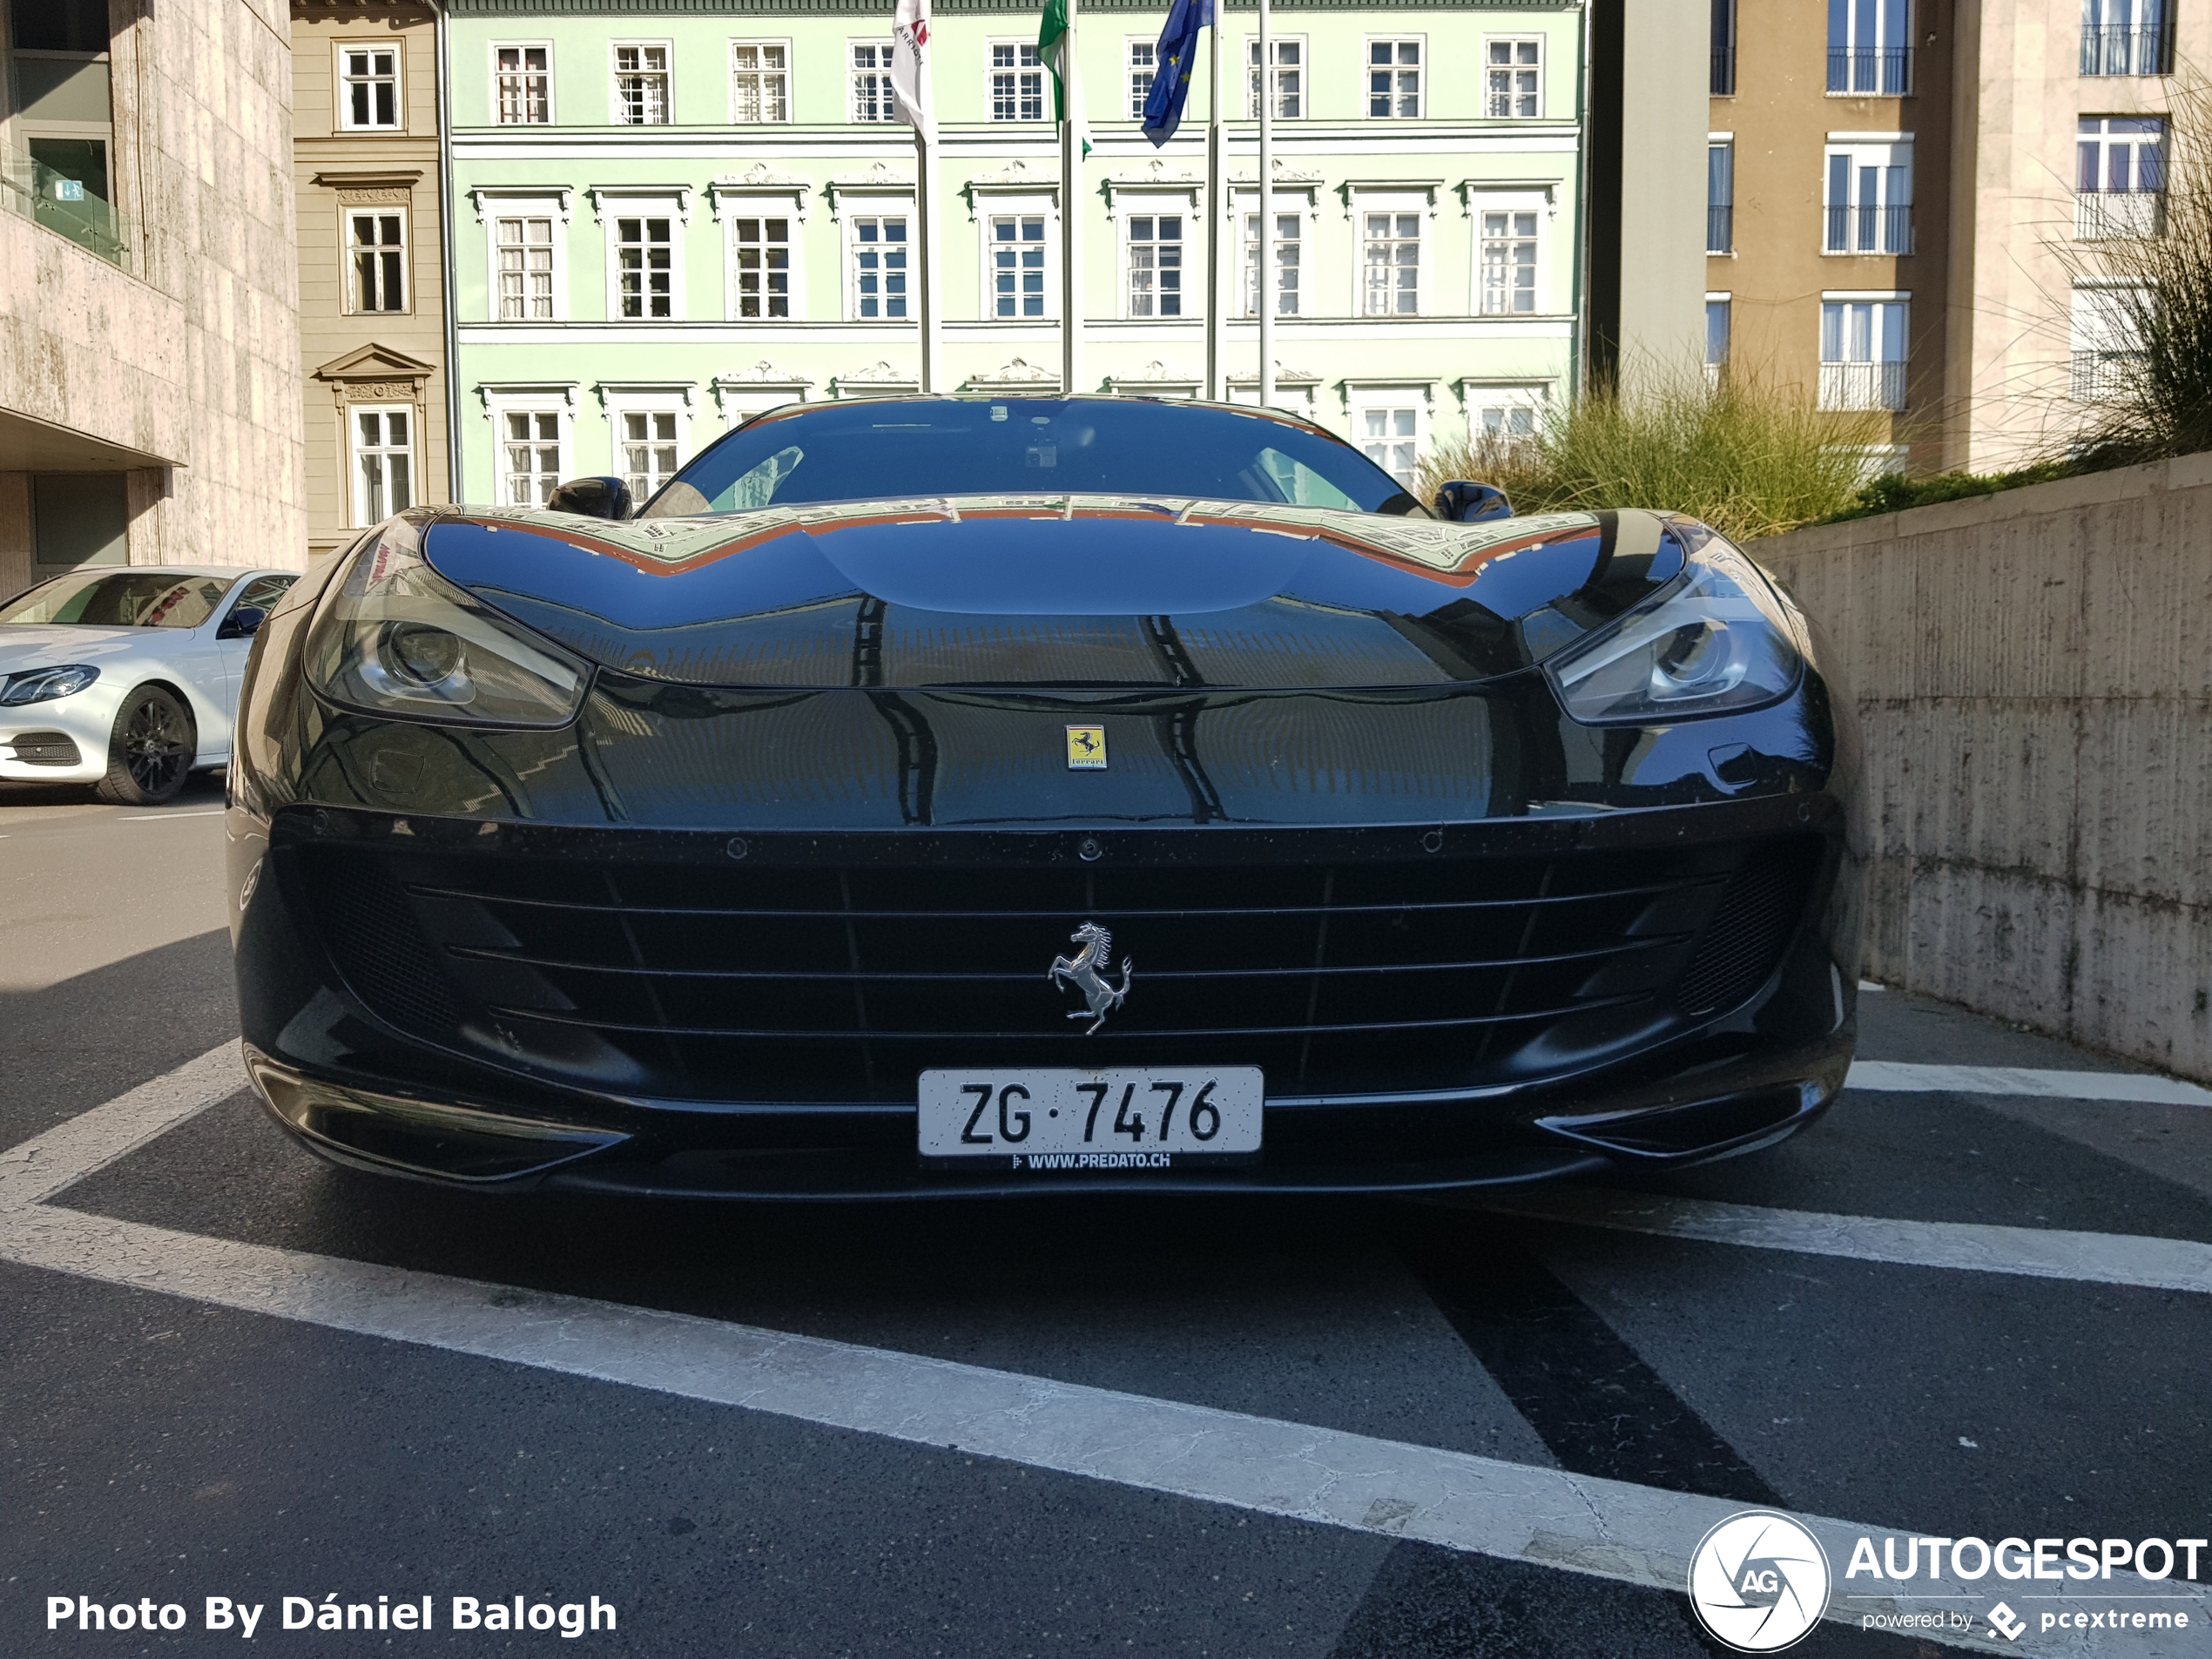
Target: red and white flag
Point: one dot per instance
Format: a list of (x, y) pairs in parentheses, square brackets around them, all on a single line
[(910, 92)]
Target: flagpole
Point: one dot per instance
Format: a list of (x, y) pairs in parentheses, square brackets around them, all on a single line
[(917, 105), (926, 217), (1071, 215), (1213, 207), (1266, 296)]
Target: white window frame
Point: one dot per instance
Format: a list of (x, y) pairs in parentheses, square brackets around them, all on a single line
[(1852, 48), (622, 400), (1540, 66), (1368, 68), (1511, 201), (1477, 397), (494, 206), (884, 46), (2100, 212), (351, 294), (1859, 150), (730, 210), (359, 514), (1834, 391), (1026, 62), (618, 204), (1302, 68), (1011, 204), (1363, 398), (667, 72), (2099, 334), (1396, 203), (1132, 45), (1291, 202), (344, 84), (1725, 298), (791, 88), (557, 401), (552, 106), (878, 207), (1131, 205)]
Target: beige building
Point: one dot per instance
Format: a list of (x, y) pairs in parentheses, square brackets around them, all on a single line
[(1904, 198), (149, 355), (372, 288), (1828, 208), (2062, 109)]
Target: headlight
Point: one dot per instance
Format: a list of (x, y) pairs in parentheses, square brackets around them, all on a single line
[(1715, 641), (44, 685), (397, 638)]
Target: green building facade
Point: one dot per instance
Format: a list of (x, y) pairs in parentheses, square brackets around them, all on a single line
[(669, 216)]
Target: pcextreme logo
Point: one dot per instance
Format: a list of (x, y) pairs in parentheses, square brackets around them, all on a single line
[(1759, 1582)]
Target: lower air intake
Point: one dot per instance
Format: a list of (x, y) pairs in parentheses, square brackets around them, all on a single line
[(1758, 910)]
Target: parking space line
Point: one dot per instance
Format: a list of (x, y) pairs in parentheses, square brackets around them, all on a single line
[(1608, 1529), (44, 1164), (2032, 1252), (1896, 1076), (147, 818), (1547, 1517)]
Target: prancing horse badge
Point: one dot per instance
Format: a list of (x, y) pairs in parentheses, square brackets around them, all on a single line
[(1086, 748)]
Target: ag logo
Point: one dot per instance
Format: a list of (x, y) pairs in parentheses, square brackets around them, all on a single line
[(1759, 1582)]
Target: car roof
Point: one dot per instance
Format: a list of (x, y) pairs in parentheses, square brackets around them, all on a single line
[(1281, 417)]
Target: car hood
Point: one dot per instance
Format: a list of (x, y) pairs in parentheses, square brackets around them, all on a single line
[(47, 644), (1060, 590)]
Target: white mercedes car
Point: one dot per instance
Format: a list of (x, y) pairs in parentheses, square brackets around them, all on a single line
[(127, 679)]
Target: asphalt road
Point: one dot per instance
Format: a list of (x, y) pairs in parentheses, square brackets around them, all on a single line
[(164, 1444)]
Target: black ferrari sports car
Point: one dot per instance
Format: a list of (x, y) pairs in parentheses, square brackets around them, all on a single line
[(959, 795)]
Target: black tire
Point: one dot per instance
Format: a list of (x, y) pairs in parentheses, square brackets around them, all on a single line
[(150, 751)]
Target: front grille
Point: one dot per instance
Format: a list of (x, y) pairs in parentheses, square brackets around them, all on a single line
[(753, 982), (46, 749)]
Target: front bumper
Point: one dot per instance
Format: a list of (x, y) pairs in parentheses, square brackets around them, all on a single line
[(64, 740), (360, 1061)]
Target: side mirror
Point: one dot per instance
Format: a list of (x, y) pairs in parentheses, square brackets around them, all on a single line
[(243, 622), (1467, 503), (601, 497)]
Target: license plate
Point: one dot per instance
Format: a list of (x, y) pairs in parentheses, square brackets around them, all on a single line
[(1044, 1119)]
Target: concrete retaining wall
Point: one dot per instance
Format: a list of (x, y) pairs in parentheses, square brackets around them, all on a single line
[(2034, 673)]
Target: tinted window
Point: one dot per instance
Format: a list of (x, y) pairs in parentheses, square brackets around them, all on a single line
[(984, 446), (264, 592), (140, 599)]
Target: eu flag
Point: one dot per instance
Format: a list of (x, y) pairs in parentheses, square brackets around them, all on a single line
[(1176, 55)]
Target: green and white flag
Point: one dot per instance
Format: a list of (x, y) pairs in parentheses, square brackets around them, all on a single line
[(1052, 52)]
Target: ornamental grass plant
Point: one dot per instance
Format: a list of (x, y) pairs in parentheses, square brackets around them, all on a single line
[(1749, 458)]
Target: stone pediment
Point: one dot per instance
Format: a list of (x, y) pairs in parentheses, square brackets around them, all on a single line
[(763, 372), (375, 367)]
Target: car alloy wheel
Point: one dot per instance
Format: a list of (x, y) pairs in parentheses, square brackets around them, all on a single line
[(152, 752)]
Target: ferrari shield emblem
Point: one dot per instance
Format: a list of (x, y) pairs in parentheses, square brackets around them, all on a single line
[(1086, 748)]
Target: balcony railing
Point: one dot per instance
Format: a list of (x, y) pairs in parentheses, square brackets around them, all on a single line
[(1720, 228), (2100, 215), (2125, 49), (1723, 73), (34, 191), (1868, 229), (1882, 72), (1862, 386), (2100, 376)]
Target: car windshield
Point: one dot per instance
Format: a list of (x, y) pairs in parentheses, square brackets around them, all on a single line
[(870, 451), (124, 599)]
